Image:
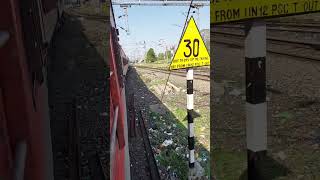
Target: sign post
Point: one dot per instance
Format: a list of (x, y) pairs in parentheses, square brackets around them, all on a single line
[(256, 107), (190, 117), (191, 52)]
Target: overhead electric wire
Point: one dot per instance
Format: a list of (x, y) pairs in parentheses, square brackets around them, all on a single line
[(185, 24)]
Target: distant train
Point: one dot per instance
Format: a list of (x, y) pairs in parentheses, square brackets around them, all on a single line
[(125, 62)]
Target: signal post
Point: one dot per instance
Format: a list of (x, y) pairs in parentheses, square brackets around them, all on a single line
[(190, 53)]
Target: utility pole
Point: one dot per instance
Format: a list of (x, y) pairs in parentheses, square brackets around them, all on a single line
[(145, 51), (127, 19), (164, 44), (198, 15)]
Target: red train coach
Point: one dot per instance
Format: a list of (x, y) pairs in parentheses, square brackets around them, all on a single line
[(125, 62), (26, 29), (119, 149)]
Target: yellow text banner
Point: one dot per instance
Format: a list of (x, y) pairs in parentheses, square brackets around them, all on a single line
[(224, 11)]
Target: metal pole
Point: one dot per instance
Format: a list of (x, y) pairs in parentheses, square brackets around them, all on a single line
[(127, 21), (167, 55), (145, 52), (198, 15), (189, 115), (256, 107)]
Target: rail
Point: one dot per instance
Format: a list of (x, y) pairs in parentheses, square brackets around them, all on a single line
[(309, 43), (74, 144), (310, 47), (272, 27), (148, 149), (200, 76)]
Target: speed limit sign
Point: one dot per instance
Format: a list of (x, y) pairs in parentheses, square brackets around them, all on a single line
[(191, 52)]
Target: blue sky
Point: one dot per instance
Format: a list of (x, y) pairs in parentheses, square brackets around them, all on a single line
[(152, 23)]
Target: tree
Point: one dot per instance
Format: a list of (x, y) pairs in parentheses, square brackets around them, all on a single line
[(151, 56), (161, 56)]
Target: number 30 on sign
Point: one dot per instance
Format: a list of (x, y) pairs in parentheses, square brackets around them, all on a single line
[(192, 51)]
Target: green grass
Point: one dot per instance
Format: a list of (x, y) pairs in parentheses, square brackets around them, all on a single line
[(180, 114), (228, 165), (169, 158), (157, 64), (176, 115), (203, 150)]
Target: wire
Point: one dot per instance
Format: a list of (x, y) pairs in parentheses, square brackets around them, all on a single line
[(185, 24)]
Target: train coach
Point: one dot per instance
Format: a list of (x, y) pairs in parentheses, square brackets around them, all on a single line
[(125, 62), (119, 148), (26, 30)]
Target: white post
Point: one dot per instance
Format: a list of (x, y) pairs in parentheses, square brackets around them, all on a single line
[(256, 107), (189, 116)]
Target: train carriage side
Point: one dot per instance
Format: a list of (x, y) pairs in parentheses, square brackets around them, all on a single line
[(125, 62), (24, 117), (119, 149)]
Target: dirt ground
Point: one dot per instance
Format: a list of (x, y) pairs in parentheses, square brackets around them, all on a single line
[(293, 99), (167, 124), (77, 73)]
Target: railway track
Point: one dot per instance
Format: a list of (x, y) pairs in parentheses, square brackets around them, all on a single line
[(152, 164), (288, 27), (312, 45), (141, 153), (74, 145), (74, 152), (306, 24), (292, 48), (203, 75)]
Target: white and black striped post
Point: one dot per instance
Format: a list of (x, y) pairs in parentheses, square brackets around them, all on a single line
[(190, 117), (256, 107)]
